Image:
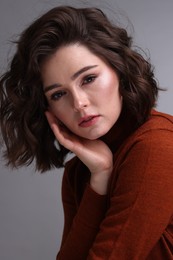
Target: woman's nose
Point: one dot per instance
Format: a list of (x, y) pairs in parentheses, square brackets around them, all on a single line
[(80, 101)]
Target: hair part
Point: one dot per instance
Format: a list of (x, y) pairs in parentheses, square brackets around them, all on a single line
[(24, 126)]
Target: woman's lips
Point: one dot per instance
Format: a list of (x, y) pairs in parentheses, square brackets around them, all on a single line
[(88, 120)]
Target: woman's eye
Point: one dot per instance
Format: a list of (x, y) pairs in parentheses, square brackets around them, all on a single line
[(89, 79), (57, 95)]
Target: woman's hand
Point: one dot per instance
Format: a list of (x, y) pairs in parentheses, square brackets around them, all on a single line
[(95, 154)]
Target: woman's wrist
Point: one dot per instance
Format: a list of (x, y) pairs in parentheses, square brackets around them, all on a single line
[(99, 182)]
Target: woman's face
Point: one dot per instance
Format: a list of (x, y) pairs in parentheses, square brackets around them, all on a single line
[(82, 91)]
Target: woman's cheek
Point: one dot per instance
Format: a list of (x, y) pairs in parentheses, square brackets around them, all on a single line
[(60, 113)]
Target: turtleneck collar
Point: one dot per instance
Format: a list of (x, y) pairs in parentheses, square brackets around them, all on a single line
[(119, 132)]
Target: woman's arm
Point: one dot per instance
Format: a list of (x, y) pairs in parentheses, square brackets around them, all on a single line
[(71, 204), (80, 231)]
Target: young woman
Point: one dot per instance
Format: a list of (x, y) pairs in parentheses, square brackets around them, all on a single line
[(76, 79)]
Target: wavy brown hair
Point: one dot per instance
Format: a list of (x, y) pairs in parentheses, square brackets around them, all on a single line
[(24, 127)]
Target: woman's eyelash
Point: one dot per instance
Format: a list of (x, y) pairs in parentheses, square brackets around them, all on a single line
[(89, 79), (57, 95)]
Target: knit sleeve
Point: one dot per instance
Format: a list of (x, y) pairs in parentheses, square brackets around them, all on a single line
[(141, 203)]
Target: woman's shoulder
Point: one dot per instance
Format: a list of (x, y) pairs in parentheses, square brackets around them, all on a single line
[(157, 122), (156, 132), (160, 118)]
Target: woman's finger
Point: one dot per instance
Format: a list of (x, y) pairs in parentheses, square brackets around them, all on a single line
[(62, 134)]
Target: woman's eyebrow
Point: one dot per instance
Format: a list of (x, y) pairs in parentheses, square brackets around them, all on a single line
[(48, 88), (76, 74), (73, 77)]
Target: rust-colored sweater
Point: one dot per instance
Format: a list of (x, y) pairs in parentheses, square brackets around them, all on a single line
[(134, 221)]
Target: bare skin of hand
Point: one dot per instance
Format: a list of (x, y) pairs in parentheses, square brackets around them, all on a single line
[(95, 154)]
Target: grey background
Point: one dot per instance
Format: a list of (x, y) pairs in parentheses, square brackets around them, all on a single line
[(31, 218)]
